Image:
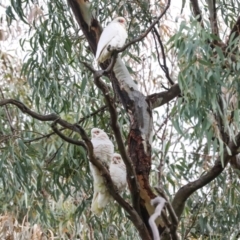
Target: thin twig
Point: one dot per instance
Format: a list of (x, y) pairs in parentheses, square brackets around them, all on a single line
[(101, 109), (164, 65), (65, 138), (44, 136), (50, 159)]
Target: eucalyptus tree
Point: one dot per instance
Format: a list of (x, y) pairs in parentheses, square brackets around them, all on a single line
[(168, 100)]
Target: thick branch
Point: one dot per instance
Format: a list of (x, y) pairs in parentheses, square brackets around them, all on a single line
[(132, 178), (184, 193), (117, 132), (236, 29), (25, 109), (100, 110), (139, 138), (159, 99), (235, 164), (86, 21), (43, 118)]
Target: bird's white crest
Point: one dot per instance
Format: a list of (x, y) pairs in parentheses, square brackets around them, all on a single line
[(112, 37)]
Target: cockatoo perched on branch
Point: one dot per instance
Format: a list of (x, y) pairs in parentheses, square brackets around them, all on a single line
[(118, 175), (118, 172), (103, 150), (112, 37), (102, 146)]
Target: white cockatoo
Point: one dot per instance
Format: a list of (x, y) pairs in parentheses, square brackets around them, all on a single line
[(102, 146), (118, 172), (112, 37), (103, 149)]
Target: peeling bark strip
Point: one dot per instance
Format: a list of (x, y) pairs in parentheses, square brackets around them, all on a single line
[(138, 154)]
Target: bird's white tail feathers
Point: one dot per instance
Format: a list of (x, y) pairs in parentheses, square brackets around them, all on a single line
[(101, 198)]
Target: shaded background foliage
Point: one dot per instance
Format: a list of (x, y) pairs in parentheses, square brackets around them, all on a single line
[(46, 180)]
